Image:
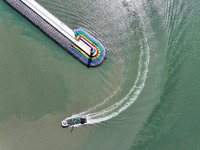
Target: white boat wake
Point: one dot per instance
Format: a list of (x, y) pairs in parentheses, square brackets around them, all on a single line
[(133, 94), (130, 98)]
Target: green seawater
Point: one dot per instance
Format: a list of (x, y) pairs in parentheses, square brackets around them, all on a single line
[(145, 96)]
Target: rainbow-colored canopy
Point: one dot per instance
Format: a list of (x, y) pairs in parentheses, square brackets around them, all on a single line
[(89, 60)]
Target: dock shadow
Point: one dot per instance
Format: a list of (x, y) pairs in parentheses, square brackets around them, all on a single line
[(90, 58)]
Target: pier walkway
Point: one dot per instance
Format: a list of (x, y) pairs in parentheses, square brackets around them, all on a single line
[(57, 24), (79, 43)]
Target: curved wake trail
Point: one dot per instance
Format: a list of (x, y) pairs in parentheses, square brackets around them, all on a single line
[(133, 94)]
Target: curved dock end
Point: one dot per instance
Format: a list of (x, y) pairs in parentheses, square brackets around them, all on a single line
[(97, 53)]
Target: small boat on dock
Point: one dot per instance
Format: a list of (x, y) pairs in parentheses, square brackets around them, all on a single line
[(71, 122)]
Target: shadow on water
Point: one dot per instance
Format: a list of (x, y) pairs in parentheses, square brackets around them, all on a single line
[(72, 129)]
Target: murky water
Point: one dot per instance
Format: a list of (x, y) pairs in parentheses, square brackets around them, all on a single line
[(144, 96)]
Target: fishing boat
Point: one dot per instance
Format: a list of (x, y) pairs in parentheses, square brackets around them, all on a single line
[(71, 122)]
